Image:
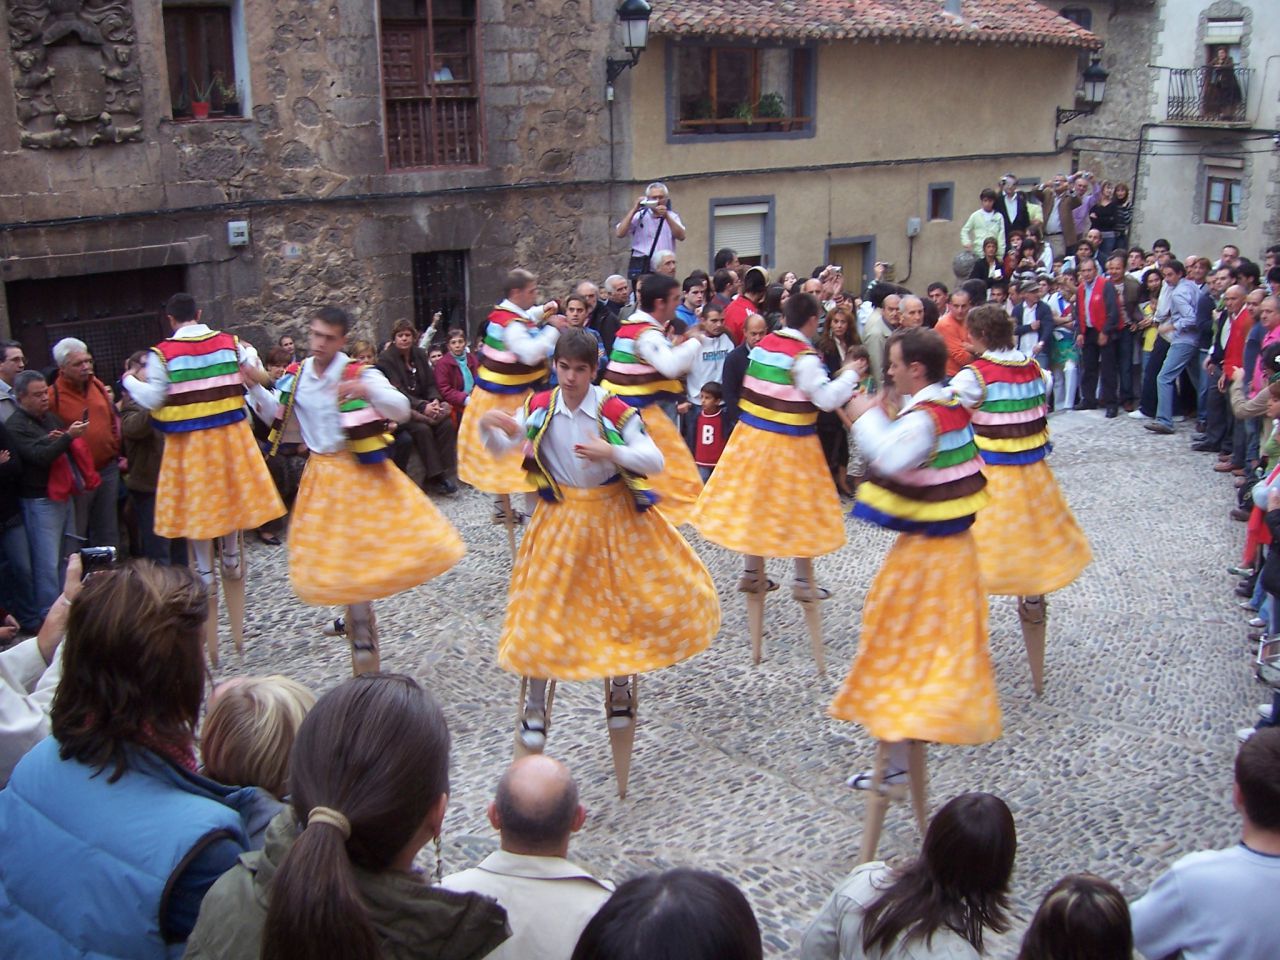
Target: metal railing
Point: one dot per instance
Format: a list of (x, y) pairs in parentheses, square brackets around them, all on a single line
[(1209, 95)]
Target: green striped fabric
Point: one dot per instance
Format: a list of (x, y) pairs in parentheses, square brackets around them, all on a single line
[(949, 458), (202, 373), (765, 371), (1013, 406)]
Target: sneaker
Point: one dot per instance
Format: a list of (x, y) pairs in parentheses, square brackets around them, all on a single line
[(1265, 712), (1137, 415), (1257, 623), (800, 592), (1240, 571), (892, 778), (335, 628), (1155, 426), (621, 707), (1244, 733), (1179, 419)]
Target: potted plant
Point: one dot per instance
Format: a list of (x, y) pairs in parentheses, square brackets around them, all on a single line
[(745, 114), (228, 94), (772, 108), (200, 99)]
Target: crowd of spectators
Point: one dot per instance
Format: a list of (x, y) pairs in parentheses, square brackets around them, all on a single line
[(263, 821)]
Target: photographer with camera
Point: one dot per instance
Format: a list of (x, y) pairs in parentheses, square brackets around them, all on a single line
[(652, 226)]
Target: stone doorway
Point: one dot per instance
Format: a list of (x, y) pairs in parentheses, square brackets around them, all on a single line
[(114, 313), (440, 286)]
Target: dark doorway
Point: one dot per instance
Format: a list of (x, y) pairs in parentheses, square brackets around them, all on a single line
[(440, 286), (114, 313)]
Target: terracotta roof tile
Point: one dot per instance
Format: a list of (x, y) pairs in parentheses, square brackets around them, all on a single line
[(981, 21)]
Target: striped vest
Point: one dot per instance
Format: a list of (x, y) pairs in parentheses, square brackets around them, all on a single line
[(636, 382), (769, 399), (363, 425), (501, 370), (613, 414), (206, 389), (1010, 425), (940, 497)]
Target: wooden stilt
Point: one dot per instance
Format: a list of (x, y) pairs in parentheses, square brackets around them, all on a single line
[(755, 622), (211, 623), (917, 783), (877, 803), (509, 521), (622, 737), (362, 631), (813, 614), (233, 593), (1033, 612)]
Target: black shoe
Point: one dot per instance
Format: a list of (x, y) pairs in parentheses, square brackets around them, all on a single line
[(1204, 447), (1111, 413), (443, 486), (1155, 426), (1240, 513), (1244, 590)]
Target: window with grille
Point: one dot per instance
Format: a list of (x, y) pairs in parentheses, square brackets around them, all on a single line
[(742, 90), (429, 83), (440, 286), (200, 45), (1222, 198)]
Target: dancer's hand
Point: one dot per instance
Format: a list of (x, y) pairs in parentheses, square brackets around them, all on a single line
[(860, 404), (595, 449), (502, 422)]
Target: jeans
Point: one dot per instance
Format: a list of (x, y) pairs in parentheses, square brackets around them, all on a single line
[(97, 517), (160, 549), (49, 524), (1181, 356), (15, 574), (1206, 384)]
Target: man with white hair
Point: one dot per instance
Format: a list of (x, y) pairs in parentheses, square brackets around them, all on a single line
[(617, 291), (652, 226), (76, 394)]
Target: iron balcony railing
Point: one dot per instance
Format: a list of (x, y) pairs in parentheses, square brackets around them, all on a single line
[(1209, 94)]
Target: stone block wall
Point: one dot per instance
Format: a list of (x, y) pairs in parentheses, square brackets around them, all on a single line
[(329, 223)]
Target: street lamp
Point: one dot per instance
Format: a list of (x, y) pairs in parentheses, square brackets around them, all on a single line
[(634, 15), (1094, 88)]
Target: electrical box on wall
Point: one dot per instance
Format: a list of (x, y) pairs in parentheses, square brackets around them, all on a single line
[(238, 233), (913, 226)]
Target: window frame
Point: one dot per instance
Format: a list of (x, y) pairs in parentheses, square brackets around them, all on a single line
[(768, 235), (237, 59), (801, 127), (432, 98), (1227, 204), (949, 208)]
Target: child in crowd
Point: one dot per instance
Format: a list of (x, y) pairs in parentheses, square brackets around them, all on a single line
[(710, 429), (860, 359), (249, 731), (1066, 356)]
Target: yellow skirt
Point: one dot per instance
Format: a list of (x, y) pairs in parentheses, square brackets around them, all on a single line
[(923, 670), (601, 590), (476, 465), (364, 531), (1028, 540), (212, 483), (679, 483), (771, 495)]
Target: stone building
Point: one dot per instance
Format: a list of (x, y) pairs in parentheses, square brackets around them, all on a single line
[(1197, 143), (394, 156)]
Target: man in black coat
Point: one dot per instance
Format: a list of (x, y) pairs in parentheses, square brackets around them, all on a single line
[(735, 368), (1012, 205)]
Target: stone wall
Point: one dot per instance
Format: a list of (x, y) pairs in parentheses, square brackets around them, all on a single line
[(314, 138)]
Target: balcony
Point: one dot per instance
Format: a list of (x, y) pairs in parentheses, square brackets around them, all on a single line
[(1209, 96)]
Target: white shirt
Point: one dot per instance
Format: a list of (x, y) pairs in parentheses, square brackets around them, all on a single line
[(315, 403), (548, 901), (531, 347), (708, 364), (654, 349), (902, 444), (152, 393), (24, 708), (572, 427), (1053, 222)]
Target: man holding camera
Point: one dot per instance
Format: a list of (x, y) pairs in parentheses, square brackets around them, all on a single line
[(652, 226)]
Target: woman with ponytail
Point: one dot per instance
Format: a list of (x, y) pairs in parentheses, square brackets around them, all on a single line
[(368, 784)]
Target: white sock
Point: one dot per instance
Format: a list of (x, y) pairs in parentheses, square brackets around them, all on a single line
[(202, 550), (536, 695)]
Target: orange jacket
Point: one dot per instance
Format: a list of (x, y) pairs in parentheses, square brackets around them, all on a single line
[(70, 402)]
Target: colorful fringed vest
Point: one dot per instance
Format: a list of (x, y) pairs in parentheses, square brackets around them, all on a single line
[(769, 400), (363, 425), (501, 370), (613, 414), (634, 381), (206, 389), (940, 497), (1010, 425)]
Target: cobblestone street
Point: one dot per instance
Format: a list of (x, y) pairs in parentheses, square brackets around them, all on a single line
[(1124, 765)]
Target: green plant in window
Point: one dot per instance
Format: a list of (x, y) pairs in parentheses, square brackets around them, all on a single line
[(744, 111), (771, 106)]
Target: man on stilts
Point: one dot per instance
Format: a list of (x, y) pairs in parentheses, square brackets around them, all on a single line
[(648, 601), (1029, 543), (775, 448), (923, 670), (513, 363), (645, 368), (341, 407), (213, 482)]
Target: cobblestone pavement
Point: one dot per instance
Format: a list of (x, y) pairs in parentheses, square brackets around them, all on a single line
[(1124, 764)]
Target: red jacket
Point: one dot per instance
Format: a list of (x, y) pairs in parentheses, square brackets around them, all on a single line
[(63, 481), (449, 379), (1233, 352)]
